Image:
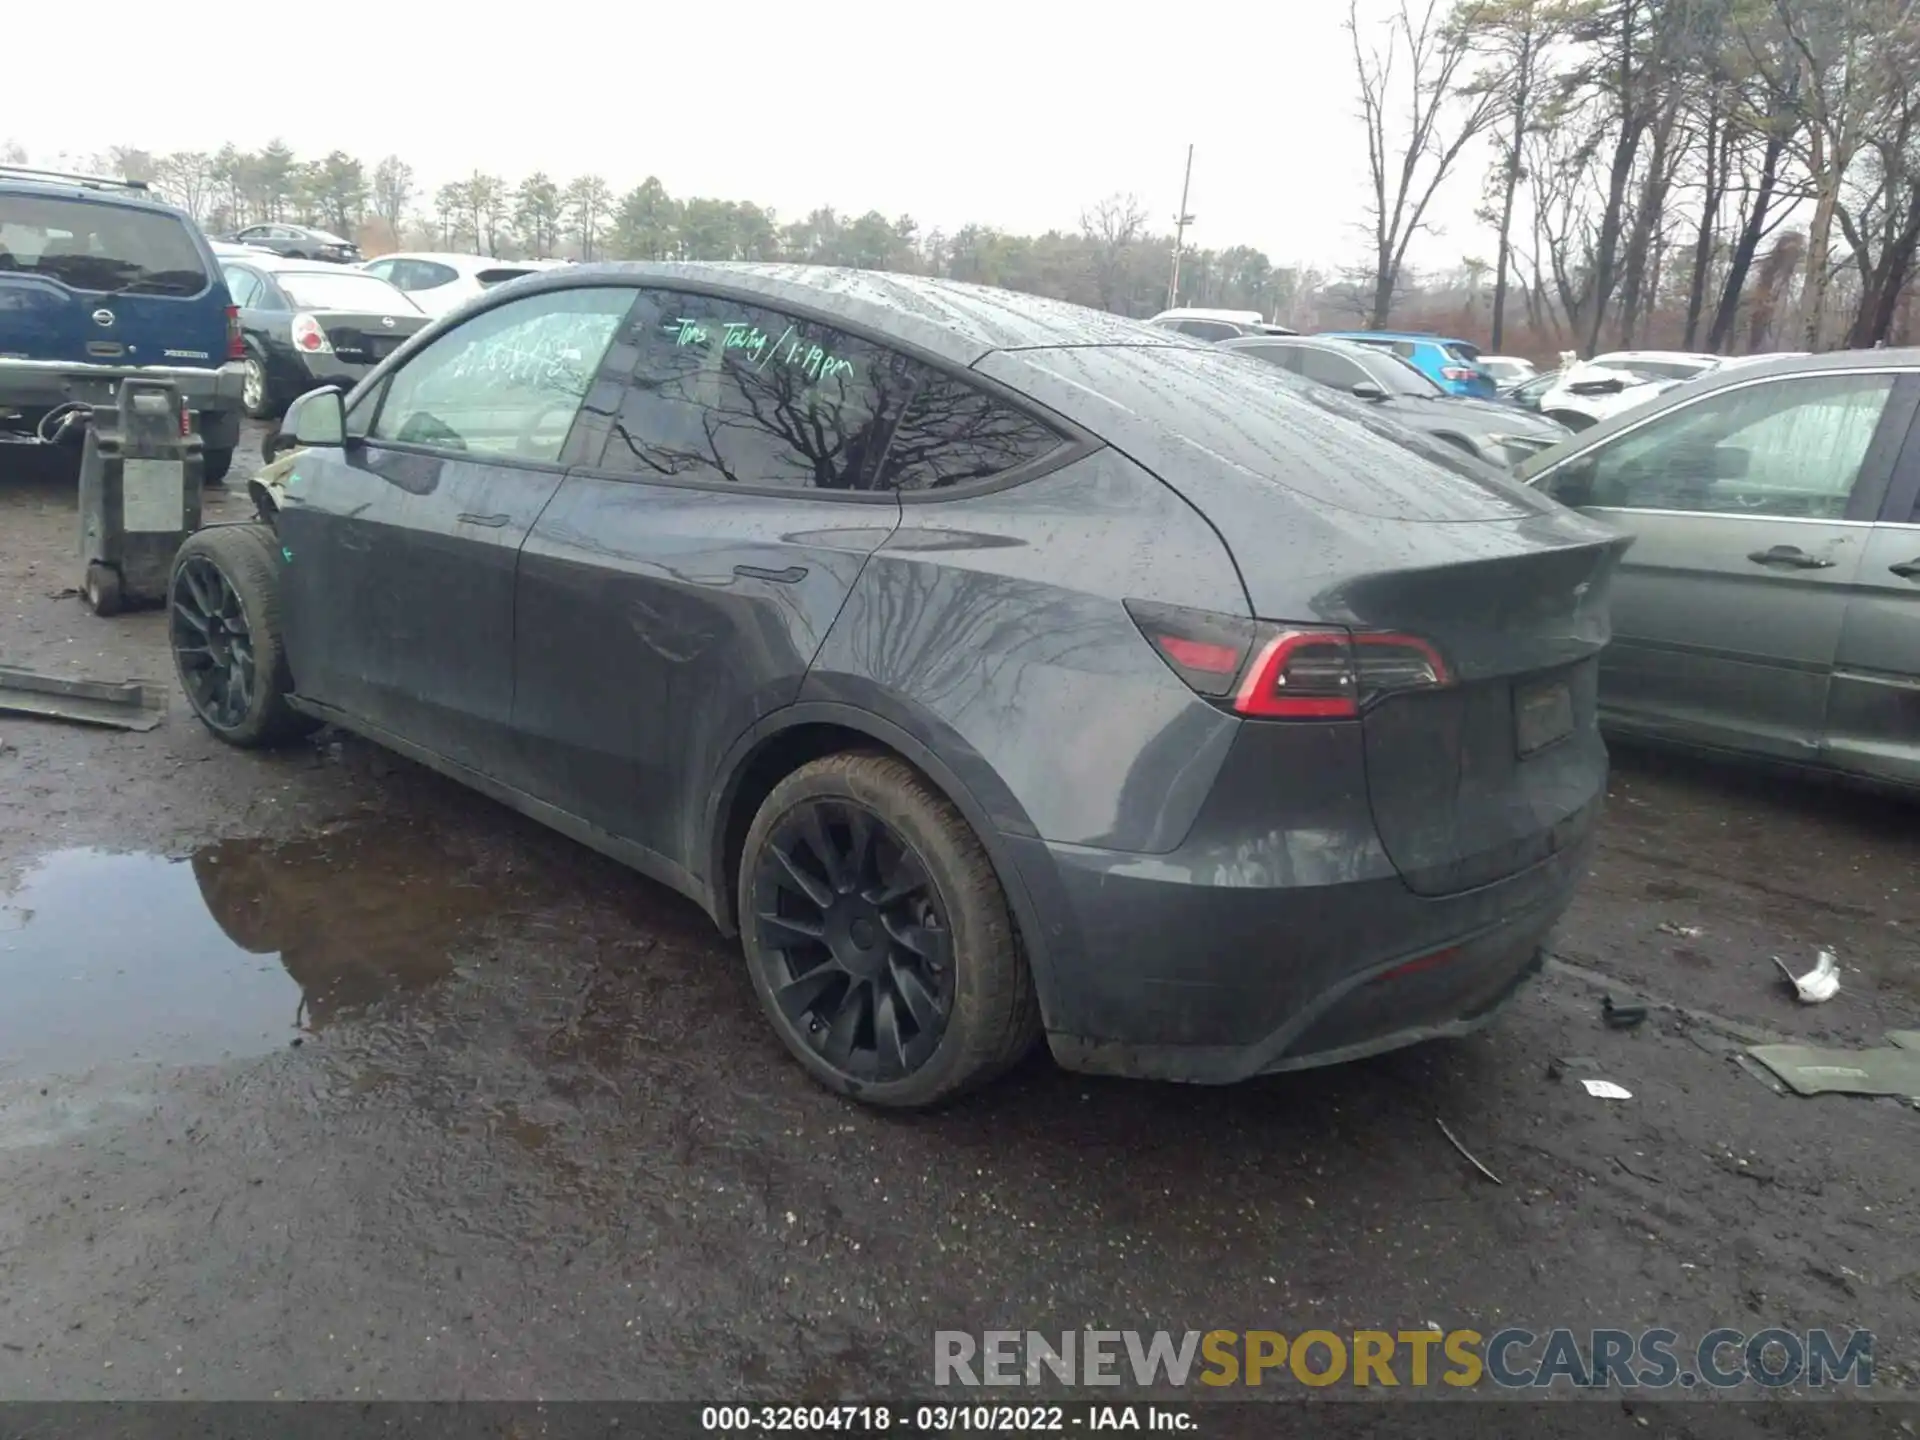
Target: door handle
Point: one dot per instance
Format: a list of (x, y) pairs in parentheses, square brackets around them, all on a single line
[(492, 522), (1790, 555), (792, 575), (1909, 570)]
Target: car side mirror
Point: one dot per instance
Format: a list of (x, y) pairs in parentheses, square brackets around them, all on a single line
[(1369, 390), (317, 418)]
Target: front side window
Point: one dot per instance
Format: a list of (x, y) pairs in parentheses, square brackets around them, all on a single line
[(738, 394), (1784, 448), (954, 434), (509, 381)]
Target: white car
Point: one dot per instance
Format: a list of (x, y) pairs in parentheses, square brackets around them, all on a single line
[(1507, 370), (439, 282), (1204, 324), (1592, 390)]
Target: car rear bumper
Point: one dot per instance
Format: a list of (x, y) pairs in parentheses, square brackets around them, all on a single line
[(1163, 968), (332, 370), (31, 386)]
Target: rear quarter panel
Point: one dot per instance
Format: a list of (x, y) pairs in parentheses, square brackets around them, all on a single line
[(991, 629)]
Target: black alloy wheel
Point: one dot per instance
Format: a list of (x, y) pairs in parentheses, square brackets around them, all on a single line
[(854, 940), (212, 643), (878, 937), (223, 624)]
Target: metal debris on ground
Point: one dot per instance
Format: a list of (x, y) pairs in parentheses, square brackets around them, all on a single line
[(1607, 1090), (1467, 1154), (1892, 1069), (124, 705), (1622, 1017), (1819, 984)]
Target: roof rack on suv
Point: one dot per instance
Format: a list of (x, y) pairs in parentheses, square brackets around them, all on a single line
[(22, 172)]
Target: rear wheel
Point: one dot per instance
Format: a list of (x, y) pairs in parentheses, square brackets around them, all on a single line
[(878, 937), (223, 605), (256, 393), (215, 464)]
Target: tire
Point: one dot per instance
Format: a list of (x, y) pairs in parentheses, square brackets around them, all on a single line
[(953, 933), (256, 395), (215, 465), (102, 590), (228, 578)]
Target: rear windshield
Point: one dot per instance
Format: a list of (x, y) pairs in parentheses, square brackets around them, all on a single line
[(1460, 350), (1656, 369), (344, 290), (1174, 409), (108, 248), (500, 274)]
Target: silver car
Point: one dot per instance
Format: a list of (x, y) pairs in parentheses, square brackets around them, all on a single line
[(1770, 603)]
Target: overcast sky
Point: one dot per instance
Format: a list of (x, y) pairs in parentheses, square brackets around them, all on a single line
[(1013, 113)]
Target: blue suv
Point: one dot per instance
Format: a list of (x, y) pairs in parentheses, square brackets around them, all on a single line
[(1453, 365), (99, 280)]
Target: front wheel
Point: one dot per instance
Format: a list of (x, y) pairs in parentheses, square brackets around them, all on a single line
[(223, 604), (878, 937)]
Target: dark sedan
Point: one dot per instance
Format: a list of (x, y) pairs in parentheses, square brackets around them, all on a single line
[(306, 325), (992, 666), (1499, 433), (299, 242)]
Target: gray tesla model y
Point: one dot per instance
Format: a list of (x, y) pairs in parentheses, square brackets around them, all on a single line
[(992, 666)]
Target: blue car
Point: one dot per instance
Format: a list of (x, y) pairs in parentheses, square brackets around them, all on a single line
[(100, 280), (1453, 365)]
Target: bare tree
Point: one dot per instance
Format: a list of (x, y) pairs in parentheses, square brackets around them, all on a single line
[(588, 203), (392, 190), (1420, 65), (1840, 63), (1112, 227), (1514, 35)]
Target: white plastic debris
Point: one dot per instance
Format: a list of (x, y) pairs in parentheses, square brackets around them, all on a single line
[(1685, 932), (1607, 1090), (1819, 984)]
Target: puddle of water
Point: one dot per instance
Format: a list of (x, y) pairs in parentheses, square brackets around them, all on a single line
[(233, 952)]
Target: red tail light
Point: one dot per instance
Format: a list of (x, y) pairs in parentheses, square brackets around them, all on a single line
[(1458, 372), (310, 336), (236, 347), (1295, 672)]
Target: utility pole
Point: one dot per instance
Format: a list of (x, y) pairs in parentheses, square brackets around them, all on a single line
[(1180, 223)]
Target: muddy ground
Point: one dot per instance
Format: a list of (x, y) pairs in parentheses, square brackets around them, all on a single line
[(320, 1077)]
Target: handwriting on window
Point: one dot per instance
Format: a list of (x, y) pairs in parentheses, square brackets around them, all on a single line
[(815, 362)]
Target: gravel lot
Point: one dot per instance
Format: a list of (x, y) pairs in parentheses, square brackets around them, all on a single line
[(320, 1077)]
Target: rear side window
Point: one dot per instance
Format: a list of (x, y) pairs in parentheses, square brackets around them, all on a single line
[(1208, 329), (1327, 368), (242, 286), (954, 434), (90, 246), (1287, 357), (499, 275), (727, 393)]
